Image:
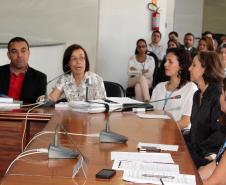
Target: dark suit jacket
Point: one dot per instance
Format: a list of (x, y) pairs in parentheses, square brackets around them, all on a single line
[(34, 84), (192, 51)]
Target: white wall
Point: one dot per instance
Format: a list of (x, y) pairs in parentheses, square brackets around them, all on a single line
[(46, 59), (121, 24), (214, 16), (70, 21), (188, 17), (108, 29)]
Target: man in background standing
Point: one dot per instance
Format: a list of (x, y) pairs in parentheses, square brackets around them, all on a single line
[(155, 45), (188, 44)]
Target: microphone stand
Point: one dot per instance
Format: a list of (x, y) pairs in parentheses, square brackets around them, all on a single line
[(47, 102), (107, 136), (58, 152)]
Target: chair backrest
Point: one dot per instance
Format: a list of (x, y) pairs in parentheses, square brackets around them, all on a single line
[(114, 89)]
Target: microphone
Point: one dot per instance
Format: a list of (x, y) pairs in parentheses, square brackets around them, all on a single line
[(88, 83), (172, 97), (58, 152), (147, 106), (45, 100), (107, 136)]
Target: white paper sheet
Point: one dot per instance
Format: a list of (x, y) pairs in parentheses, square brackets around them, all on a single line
[(152, 116), (145, 157), (145, 166), (167, 178)]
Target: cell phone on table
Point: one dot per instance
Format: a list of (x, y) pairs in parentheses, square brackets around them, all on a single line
[(105, 174)]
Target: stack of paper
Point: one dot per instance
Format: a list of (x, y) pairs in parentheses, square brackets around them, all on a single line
[(7, 103), (96, 106), (156, 168), (167, 178)]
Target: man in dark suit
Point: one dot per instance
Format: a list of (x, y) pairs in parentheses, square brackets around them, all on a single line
[(188, 44), (17, 79)]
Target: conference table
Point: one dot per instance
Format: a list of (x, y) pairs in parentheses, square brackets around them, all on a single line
[(82, 134)]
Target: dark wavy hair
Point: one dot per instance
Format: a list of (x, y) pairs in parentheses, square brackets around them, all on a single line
[(67, 56), (184, 62), (140, 40), (214, 71)]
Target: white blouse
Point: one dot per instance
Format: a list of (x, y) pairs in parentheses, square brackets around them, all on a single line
[(177, 107), (66, 84), (148, 64)]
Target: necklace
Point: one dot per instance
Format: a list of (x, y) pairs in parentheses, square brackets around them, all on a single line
[(168, 95)]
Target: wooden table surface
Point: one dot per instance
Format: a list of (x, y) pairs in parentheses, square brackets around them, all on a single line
[(38, 169)]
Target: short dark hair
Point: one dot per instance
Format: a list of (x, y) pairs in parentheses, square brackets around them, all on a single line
[(67, 56), (157, 31), (206, 33), (139, 40), (173, 33), (184, 60), (214, 71), (18, 39), (189, 34)]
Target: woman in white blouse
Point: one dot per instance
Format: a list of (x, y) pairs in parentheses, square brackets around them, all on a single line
[(140, 70), (176, 67), (74, 82)]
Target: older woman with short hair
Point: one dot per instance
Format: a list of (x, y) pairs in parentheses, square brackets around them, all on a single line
[(74, 82)]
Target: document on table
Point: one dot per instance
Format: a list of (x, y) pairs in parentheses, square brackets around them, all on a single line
[(152, 116), (95, 106), (158, 146), (124, 100), (144, 166), (167, 178), (145, 157)]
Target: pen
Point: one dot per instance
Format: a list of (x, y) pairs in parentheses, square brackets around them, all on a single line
[(161, 181), (158, 176), (109, 101), (119, 164), (149, 149)]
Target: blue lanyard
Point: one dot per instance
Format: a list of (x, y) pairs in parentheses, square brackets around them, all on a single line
[(166, 99)]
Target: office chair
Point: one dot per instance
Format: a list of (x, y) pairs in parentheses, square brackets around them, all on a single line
[(114, 89)]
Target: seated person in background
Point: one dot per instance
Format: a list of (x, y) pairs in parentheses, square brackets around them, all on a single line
[(140, 70), (174, 35), (214, 172), (17, 79), (74, 82), (176, 67), (205, 44), (205, 137), (222, 53), (189, 40)]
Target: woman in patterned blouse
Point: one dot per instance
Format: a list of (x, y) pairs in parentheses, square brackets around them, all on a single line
[(77, 77), (214, 172)]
